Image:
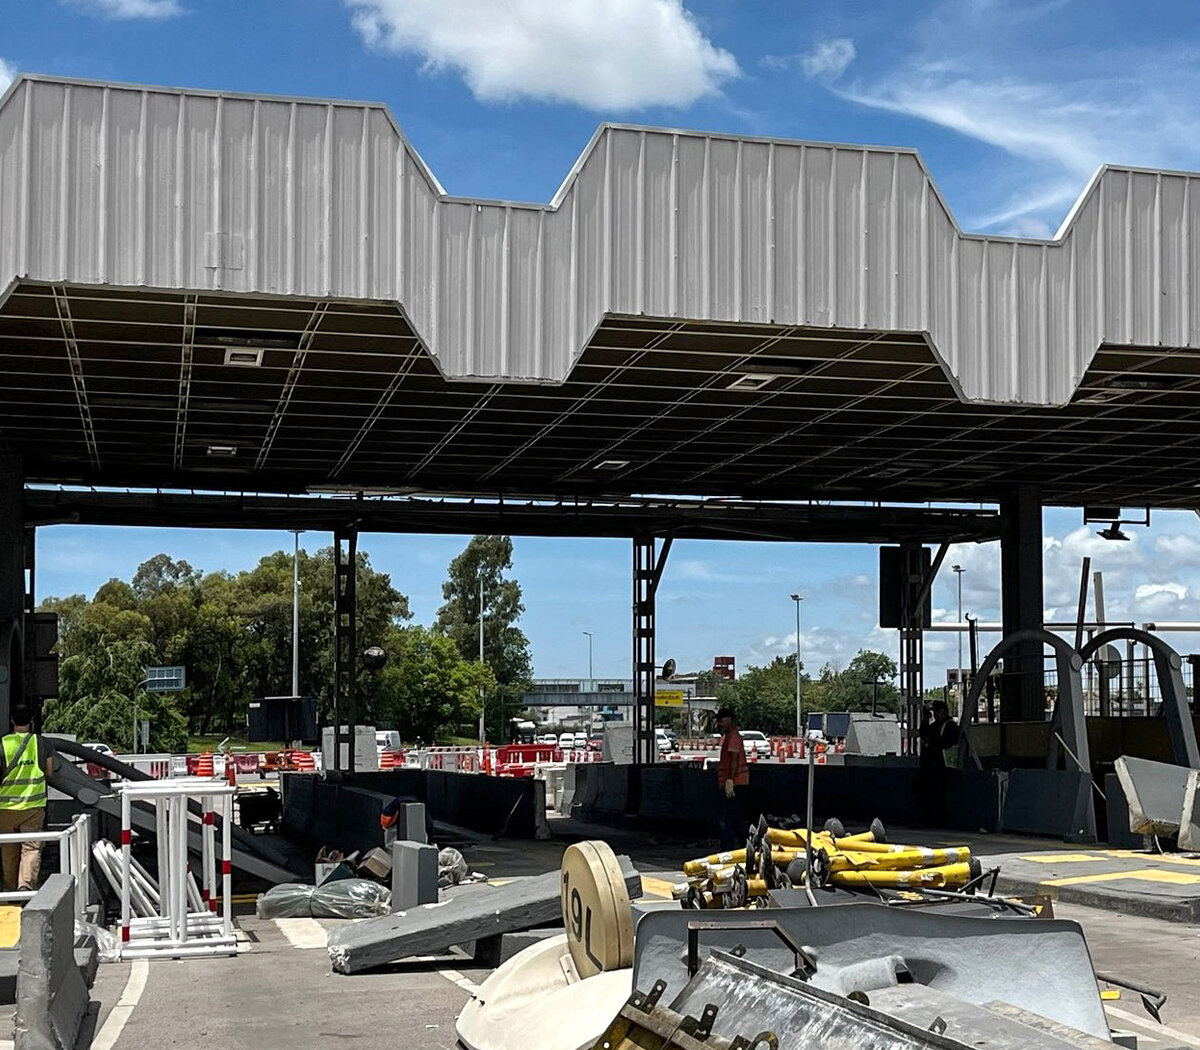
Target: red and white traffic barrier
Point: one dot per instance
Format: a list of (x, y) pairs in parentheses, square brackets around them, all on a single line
[(177, 918)]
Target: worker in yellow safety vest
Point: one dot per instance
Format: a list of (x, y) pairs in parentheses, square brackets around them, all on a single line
[(27, 764)]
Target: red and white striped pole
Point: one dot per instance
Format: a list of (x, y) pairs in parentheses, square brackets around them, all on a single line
[(126, 844), (227, 866)]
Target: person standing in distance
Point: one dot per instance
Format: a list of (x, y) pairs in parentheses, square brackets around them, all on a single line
[(27, 764), (733, 774)]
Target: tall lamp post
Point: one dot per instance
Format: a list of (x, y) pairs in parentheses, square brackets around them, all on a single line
[(482, 730), (296, 615), (798, 598), (958, 571), (591, 681)]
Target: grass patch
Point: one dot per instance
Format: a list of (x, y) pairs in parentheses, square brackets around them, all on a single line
[(209, 743)]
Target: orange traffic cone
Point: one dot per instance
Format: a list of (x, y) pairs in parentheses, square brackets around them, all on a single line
[(204, 764), (231, 771)]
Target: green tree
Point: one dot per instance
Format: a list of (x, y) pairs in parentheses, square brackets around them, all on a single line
[(764, 698), (480, 569), (97, 686), (853, 688), (427, 689)]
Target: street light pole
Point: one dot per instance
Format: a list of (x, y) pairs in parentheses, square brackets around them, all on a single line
[(591, 680), (296, 616), (958, 571), (482, 730), (797, 598)]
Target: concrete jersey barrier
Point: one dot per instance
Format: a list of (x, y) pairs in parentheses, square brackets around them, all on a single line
[(52, 998)]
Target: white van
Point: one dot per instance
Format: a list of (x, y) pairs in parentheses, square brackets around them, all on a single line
[(386, 740)]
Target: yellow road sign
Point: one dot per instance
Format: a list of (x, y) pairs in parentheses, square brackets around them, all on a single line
[(668, 698)]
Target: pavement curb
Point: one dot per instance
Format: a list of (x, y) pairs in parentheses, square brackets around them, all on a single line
[(1111, 899)]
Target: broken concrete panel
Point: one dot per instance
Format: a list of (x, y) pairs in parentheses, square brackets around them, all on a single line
[(474, 913), (1189, 820), (1154, 791), (414, 875), (52, 997)]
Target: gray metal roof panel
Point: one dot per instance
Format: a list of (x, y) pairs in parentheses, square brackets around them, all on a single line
[(219, 192)]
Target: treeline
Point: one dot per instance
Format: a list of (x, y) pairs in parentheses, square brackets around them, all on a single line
[(233, 634), (764, 698)]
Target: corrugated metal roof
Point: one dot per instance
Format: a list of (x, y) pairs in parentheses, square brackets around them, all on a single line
[(125, 186)]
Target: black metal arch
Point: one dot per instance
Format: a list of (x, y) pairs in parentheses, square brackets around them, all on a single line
[(1169, 668)]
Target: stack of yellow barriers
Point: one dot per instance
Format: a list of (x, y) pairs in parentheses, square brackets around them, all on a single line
[(860, 861)]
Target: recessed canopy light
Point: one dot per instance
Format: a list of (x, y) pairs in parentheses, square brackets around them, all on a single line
[(244, 356), (612, 464), (222, 450), (751, 381), (1139, 381), (1113, 532)]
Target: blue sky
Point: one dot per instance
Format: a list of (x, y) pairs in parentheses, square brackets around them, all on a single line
[(1011, 103)]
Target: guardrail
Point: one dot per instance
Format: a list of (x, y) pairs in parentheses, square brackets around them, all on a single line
[(74, 858)]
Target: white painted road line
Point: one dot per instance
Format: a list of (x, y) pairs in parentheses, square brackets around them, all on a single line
[(107, 1037), (1148, 1025), (303, 933), (470, 987)]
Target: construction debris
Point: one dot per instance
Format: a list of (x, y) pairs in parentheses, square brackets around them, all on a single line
[(339, 899), (474, 913), (779, 858)]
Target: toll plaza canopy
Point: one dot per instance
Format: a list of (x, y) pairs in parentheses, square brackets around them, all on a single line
[(211, 291)]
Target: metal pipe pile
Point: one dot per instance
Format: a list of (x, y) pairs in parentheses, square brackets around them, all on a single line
[(778, 858)]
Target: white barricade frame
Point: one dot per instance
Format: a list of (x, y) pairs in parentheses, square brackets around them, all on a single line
[(179, 918)]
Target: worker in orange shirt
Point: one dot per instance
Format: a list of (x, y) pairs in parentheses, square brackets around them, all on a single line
[(733, 774)]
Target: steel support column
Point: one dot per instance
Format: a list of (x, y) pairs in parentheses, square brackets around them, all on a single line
[(345, 561), (1022, 697), (13, 587), (647, 571), (914, 591)]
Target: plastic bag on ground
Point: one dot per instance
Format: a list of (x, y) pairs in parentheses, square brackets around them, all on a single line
[(452, 867), (108, 948), (342, 899), (351, 899)]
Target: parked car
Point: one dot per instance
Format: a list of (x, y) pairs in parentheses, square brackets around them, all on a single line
[(755, 741), (662, 741), (566, 741), (595, 742), (548, 738)]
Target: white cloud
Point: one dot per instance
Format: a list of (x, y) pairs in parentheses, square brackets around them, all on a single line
[(828, 59), (8, 73), (969, 68), (1150, 590), (1179, 548), (600, 54), (126, 9)]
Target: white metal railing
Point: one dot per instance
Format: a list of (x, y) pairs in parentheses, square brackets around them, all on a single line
[(178, 918), (74, 858)]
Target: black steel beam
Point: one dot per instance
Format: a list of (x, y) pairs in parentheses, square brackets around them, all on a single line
[(682, 519)]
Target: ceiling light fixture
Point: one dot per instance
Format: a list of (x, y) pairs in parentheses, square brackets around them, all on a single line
[(244, 356), (748, 382), (612, 464), (1113, 532), (222, 450)]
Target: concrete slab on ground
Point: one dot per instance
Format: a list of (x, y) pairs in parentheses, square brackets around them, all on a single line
[(1155, 885)]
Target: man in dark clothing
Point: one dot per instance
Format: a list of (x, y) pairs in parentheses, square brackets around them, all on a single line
[(939, 752), (733, 774)]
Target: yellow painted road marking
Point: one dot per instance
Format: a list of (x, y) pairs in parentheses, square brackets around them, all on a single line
[(1175, 878), (1153, 858), (10, 926), (1065, 858), (659, 888)]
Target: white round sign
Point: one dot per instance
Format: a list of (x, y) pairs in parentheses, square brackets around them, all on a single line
[(595, 909)]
